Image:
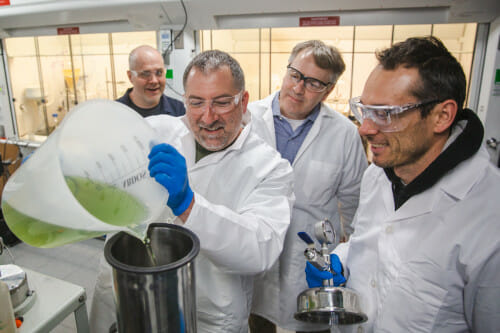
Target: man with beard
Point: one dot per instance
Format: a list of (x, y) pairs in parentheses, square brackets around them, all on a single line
[(225, 184)]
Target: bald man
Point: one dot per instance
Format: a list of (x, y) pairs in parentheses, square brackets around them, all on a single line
[(147, 75)]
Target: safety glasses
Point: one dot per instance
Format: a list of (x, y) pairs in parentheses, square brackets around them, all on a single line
[(386, 117), (148, 75), (310, 83), (219, 105)]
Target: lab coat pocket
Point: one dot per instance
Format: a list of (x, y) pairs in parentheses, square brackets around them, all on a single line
[(317, 182)]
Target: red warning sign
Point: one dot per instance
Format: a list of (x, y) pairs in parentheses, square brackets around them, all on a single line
[(317, 21), (68, 31)]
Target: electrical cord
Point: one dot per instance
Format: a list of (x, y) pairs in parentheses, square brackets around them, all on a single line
[(2, 247), (170, 46), (172, 88)]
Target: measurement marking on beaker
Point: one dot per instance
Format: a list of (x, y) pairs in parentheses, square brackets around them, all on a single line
[(99, 166), (116, 166), (125, 151), (139, 143)]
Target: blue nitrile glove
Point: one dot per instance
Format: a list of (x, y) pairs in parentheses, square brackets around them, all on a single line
[(168, 167), (315, 277)]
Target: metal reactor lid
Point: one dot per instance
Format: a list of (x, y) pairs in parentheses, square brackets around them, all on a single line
[(15, 278), (329, 305), (12, 275)]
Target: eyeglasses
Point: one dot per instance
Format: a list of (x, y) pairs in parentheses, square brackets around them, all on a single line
[(384, 116), (310, 83), (219, 105), (148, 75)]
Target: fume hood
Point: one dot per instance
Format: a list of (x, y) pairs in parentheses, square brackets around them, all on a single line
[(37, 17)]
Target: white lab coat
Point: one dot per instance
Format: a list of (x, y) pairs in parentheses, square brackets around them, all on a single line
[(433, 265), (243, 200), (327, 169)]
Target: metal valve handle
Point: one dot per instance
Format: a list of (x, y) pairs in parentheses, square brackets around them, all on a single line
[(325, 233)]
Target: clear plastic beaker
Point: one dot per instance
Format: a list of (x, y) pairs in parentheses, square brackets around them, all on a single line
[(90, 177)]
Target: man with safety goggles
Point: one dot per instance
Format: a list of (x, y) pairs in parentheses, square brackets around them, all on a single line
[(225, 184), (424, 255), (147, 75)]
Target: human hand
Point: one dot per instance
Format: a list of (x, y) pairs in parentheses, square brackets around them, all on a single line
[(168, 167), (315, 277)]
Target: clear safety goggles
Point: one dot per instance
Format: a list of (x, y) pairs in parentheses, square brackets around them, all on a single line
[(148, 75), (219, 105), (386, 117)]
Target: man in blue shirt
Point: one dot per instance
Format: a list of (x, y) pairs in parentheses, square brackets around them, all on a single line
[(147, 75), (328, 160)]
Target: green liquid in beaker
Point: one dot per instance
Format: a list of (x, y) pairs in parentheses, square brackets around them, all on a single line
[(41, 234), (107, 203)]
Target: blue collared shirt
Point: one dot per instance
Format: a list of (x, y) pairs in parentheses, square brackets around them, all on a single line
[(289, 141)]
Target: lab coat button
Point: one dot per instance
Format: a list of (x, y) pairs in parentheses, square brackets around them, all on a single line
[(373, 283), (388, 230)]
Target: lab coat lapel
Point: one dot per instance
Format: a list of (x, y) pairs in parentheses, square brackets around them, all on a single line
[(386, 195), (189, 149), (456, 183), (417, 205), (465, 175), (313, 133), (268, 118), (188, 144)]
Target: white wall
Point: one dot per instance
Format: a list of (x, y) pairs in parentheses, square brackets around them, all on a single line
[(489, 98)]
